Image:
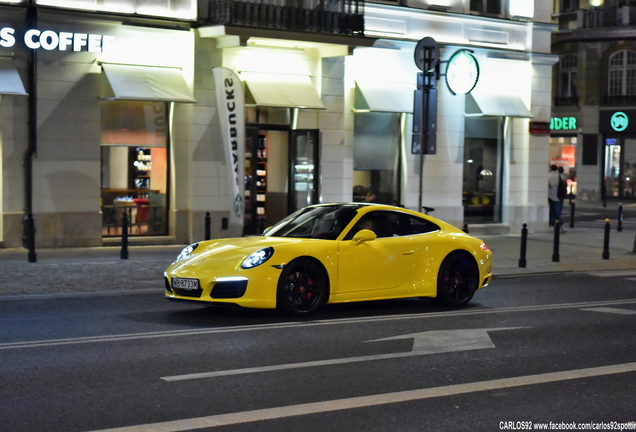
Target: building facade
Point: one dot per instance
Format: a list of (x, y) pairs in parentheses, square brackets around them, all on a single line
[(595, 90), (128, 119)]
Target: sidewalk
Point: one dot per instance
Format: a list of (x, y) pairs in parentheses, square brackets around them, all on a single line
[(90, 270)]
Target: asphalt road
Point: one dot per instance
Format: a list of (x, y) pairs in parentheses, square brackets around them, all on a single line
[(536, 349)]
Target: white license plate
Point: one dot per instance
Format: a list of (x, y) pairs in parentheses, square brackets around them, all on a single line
[(187, 284)]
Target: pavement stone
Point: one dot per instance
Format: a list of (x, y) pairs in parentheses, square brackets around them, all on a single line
[(89, 271)]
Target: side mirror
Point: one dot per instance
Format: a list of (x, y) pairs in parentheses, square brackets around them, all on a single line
[(362, 236)]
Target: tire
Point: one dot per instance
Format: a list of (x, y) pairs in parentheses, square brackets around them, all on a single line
[(458, 279), (303, 288)]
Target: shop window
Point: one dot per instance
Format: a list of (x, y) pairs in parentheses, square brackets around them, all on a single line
[(134, 167), (483, 161), (376, 158), (567, 80), (488, 7), (563, 151), (621, 85)]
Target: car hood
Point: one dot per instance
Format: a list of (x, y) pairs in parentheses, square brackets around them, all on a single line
[(232, 251)]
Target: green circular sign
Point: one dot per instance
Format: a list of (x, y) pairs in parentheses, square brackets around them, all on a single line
[(462, 72), (619, 121)]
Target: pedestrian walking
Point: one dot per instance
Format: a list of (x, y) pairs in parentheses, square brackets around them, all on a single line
[(553, 195), (562, 193)]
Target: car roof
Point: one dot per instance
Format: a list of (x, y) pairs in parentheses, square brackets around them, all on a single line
[(368, 207)]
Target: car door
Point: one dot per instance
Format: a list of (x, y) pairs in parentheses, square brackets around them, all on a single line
[(429, 249), (381, 264)]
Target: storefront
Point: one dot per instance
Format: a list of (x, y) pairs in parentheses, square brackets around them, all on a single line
[(106, 129), (618, 129), (564, 142), (380, 83), (294, 122)]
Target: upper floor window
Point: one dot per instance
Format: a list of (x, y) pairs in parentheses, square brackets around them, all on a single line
[(179, 9), (490, 7), (567, 75), (569, 6), (622, 74)]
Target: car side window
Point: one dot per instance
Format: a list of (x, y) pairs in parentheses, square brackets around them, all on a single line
[(421, 226), (382, 223)]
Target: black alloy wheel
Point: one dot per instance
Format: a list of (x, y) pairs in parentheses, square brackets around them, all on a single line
[(458, 279), (302, 288)]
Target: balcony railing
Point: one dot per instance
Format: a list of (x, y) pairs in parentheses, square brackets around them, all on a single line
[(566, 101), (343, 17), (620, 100)]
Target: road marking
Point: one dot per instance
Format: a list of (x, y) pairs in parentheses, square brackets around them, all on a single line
[(277, 326), (611, 310), (372, 400), (430, 342), (616, 273)]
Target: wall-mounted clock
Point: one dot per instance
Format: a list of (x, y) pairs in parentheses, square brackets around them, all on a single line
[(462, 72)]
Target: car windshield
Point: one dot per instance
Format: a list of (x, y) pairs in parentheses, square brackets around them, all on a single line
[(323, 222)]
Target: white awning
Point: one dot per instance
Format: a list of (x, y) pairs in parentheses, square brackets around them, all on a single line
[(285, 91), (478, 105), (10, 82), (384, 97), (147, 83)]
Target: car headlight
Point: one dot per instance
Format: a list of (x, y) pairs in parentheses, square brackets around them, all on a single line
[(257, 258), (187, 251)]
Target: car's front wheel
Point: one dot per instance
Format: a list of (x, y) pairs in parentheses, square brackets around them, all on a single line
[(302, 288), (458, 279)]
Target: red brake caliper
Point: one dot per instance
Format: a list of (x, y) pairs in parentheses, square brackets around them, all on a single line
[(310, 283)]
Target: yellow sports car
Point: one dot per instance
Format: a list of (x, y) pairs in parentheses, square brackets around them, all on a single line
[(334, 253)]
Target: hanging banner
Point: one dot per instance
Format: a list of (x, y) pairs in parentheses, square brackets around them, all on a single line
[(231, 107)]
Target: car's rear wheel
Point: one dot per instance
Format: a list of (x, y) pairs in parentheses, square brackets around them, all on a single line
[(458, 279), (302, 288)]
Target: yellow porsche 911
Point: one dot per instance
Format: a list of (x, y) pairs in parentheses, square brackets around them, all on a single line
[(334, 253)]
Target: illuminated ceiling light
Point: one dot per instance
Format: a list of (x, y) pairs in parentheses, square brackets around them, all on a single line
[(597, 3)]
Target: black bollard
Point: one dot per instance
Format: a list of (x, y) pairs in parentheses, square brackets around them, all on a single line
[(619, 224), (124, 236), (30, 238), (524, 245), (208, 223), (557, 234), (603, 193), (606, 240), (572, 209), (466, 228)]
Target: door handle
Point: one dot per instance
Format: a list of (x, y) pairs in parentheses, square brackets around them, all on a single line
[(408, 252)]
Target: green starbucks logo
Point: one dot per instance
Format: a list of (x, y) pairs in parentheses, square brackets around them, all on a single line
[(619, 121)]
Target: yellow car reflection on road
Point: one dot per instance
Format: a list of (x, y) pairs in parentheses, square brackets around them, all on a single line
[(334, 253)]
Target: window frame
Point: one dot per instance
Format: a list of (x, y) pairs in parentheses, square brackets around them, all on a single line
[(621, 78), (483, 8), (568, 67)]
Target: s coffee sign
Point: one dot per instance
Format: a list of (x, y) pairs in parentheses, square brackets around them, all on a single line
[(50, 40)]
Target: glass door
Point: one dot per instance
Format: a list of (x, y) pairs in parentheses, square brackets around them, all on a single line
[(304, 178), (253, 182), (612, 171), (482, 172)]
